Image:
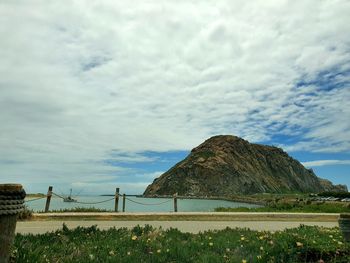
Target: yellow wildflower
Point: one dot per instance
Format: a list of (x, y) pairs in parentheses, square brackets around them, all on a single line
[(158, 251), (299, 244), (134, 237), (242, 238), (244, 261), (211, 244)]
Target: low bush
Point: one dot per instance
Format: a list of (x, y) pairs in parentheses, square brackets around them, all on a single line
[(335, 194), (297, 207)]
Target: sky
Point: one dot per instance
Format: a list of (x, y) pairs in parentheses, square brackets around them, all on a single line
[(96, 95)]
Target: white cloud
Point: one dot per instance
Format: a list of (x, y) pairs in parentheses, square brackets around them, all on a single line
[(326, 162), (79, 80)]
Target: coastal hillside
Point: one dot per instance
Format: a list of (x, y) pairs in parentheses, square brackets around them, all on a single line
[(224, 165)]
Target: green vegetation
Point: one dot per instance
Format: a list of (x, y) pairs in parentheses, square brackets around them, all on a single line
[(298, 207), (265, 198), (335, 194), (26, 213), (147, 244)]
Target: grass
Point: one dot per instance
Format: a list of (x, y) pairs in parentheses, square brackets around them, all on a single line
[(26, 213), (297, 207), (147, 244)]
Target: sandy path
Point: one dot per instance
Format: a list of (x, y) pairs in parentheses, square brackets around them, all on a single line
[(36, 227)]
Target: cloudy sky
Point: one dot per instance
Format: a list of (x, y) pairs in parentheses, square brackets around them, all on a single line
[(100, 94)]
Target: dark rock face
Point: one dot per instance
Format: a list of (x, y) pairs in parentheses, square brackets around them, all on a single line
[(224, 165)]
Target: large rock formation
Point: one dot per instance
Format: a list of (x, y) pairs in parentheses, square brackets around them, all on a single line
[(225, 165)]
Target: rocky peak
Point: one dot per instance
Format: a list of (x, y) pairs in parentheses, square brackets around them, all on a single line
[(226, 164)]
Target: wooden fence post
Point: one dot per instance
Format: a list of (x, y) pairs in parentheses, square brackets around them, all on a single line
[(175, 202), (123, 202), (48, 199), (11, 199), (116, 199)]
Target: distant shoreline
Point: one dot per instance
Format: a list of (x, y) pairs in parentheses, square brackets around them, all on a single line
[(238, 199), (242, 199), (35, 195)]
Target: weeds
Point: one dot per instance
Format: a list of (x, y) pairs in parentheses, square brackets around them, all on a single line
[(148, 244), (26, 213)]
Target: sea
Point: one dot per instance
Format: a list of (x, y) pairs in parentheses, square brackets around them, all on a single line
[(135, 204)]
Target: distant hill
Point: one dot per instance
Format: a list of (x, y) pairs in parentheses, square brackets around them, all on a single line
[(224, 165)]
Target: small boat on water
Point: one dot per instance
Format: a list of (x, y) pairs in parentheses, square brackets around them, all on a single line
[(69, 198)]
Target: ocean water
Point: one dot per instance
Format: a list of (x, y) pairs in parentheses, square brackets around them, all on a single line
[(136, 204)]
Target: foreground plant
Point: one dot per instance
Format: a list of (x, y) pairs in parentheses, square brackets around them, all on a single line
[(147, 244)]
